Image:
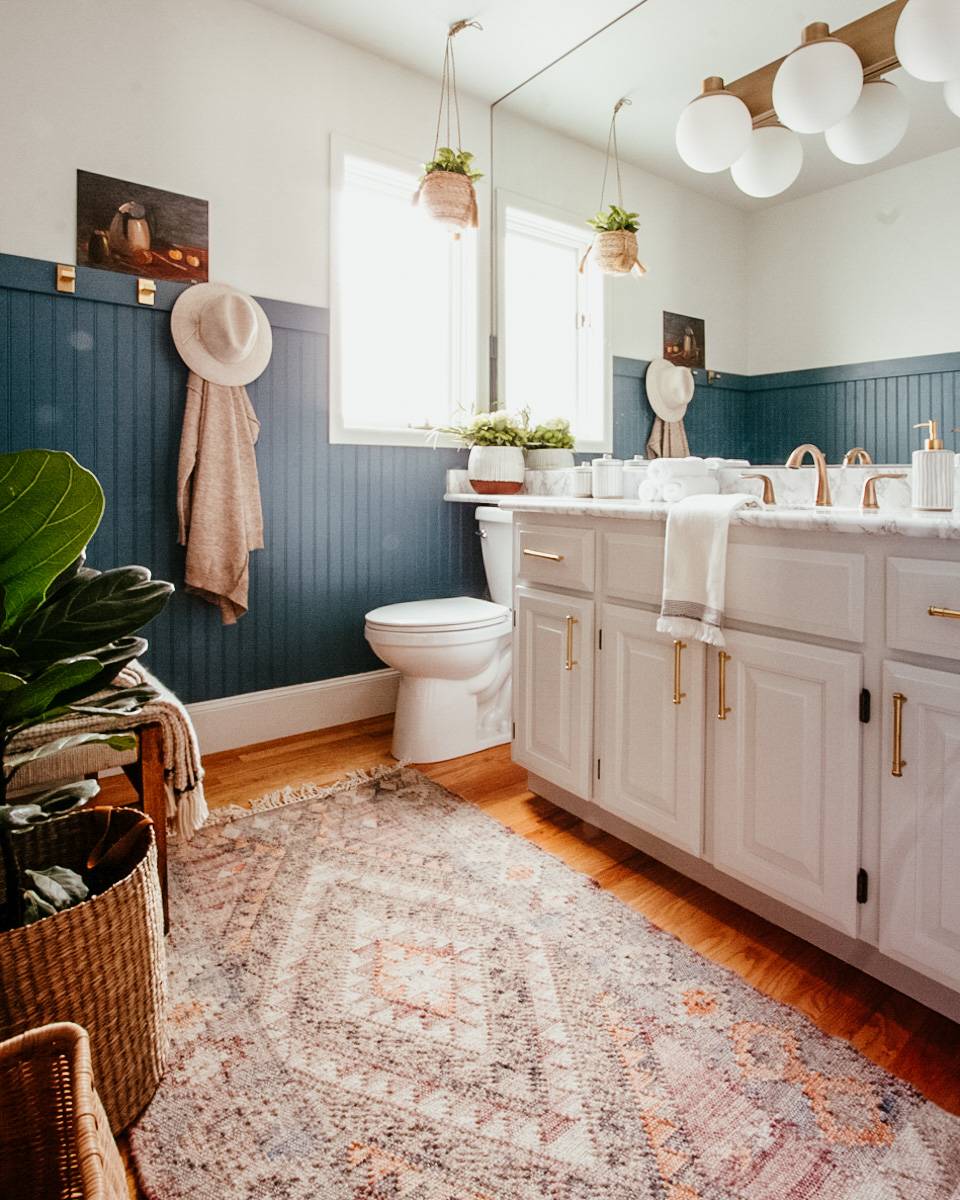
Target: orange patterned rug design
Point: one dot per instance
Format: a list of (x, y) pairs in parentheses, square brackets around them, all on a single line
[(379, 993)]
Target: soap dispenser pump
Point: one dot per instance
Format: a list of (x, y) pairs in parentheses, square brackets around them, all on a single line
[(931, 481)]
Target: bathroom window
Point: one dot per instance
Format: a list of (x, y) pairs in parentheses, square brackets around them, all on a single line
[(403, 307), (553, 356)]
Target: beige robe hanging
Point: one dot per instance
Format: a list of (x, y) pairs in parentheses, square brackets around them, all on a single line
[(668, 439)]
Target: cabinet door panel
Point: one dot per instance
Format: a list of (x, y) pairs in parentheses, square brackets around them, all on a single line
[(553, 700), (785, 773), (651, 749), (920, 824)]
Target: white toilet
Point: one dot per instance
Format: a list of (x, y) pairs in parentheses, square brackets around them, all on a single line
[(454, 659)]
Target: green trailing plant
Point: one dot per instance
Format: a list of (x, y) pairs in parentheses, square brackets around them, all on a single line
[(489, 429), (614, 218), (551, 435), (457, 162), (65, 632)]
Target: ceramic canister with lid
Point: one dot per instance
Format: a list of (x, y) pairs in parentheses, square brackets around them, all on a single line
[(634, 473), (607, 478), (583, 481)]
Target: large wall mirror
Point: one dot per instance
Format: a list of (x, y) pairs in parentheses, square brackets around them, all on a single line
[(829, 311)]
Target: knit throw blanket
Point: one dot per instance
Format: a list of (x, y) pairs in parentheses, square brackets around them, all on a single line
[(182, 765)]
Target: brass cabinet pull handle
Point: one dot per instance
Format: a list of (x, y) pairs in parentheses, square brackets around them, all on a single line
[(899, 700), (542, 554), (570, 662), (950, 613), (678, 649), (722, 709)]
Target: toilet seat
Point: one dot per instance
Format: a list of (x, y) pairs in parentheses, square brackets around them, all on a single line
[(458, 614)]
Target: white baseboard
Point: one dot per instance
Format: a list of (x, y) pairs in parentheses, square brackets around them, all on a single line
[(236, 721)]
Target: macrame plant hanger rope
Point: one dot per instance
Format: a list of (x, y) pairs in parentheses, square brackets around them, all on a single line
[(614, 147)]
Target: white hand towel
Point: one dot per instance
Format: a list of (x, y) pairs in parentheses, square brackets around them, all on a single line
[(680, 489), (695, 566), (674, 468), (650, 492)]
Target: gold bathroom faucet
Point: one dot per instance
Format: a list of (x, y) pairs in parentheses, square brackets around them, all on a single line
[(823, 483), (858, 457)]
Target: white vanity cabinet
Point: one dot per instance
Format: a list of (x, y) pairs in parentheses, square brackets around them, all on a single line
[(920, 821), (783, 772), (650, 698)]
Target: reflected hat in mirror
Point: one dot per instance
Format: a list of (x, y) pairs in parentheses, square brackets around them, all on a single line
[(669, 389), (221, 333)]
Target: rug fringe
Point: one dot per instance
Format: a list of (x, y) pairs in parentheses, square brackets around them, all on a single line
[(306, 791)]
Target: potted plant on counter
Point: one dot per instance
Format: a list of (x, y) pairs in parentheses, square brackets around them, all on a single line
[(446, 188), (550, 446), (615, 244), (496, 440)]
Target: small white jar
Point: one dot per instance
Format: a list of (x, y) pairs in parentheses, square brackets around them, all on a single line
[(607, 478), (634, 473), (583, 481)]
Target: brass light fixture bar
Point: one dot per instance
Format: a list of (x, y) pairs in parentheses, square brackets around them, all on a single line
[(870, 36)]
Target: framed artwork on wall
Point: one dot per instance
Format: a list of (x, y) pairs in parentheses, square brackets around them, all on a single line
[(141, 230), (684, 340)]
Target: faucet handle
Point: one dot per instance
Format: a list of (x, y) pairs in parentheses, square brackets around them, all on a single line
[(868, 499), (858, 456), (769, 495)]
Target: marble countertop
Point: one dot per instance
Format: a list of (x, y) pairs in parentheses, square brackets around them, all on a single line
[(892, 522)]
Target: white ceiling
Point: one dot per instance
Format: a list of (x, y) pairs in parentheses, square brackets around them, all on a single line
[(657, 56)]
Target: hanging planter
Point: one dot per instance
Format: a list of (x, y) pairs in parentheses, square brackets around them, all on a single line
[(614, 248), (446, 187)]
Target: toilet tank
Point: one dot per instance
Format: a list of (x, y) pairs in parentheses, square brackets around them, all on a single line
[(496, 533)]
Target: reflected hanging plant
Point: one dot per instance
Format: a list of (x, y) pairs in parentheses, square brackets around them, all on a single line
[(614, 247)]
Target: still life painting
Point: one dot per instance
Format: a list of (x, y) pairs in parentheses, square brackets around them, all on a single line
[(141, 230), (684, 340)]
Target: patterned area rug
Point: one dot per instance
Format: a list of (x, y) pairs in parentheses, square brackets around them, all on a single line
[(379, 992)]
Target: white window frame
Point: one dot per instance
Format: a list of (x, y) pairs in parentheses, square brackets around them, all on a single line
[(464, 327), (601, 346)]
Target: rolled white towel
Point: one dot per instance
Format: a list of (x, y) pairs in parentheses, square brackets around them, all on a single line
[(650, 492), (675, 468), (680, 489)]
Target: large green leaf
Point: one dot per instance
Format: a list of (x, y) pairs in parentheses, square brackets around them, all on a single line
[(34, 698), (119, 741), (54, 889), (89, 611), (50, 507)]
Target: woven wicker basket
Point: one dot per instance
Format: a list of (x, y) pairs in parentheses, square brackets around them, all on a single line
[(55, 1142), (615, 251), (101, 964), (450, 199)]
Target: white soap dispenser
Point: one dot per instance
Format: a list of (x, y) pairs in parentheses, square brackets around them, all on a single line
[(931, 481)]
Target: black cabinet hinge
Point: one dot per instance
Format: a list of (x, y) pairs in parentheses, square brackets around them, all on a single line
[(599, 639), (513, 731), (864, 706), (863, 885), (598, 768)]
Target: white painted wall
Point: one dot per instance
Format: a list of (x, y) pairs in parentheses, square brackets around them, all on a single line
[(218, 99), (862, 272), (694, 248)]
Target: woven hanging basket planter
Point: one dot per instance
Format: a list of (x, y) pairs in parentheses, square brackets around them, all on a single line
[(615, 251), (450, 199), (100, 964)]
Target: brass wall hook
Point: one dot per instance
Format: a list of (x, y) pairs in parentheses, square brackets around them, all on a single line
[(66, 278), (146, 291)]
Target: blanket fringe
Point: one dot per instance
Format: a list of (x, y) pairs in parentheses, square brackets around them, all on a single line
[(382, 775)]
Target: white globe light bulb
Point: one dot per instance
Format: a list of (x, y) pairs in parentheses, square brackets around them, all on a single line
[(927, 40), (818, 84), (951, 93), (713, 129), (874, 128), (772, 162)]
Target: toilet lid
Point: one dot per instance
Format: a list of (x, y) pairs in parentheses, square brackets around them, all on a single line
[(432, 616)]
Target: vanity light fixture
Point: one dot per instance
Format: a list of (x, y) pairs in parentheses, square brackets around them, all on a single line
[(927, 40), (874, 128), (714, 129), (772, 161), (818, 84)]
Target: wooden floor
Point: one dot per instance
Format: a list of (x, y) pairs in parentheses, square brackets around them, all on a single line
[(899, 1034)]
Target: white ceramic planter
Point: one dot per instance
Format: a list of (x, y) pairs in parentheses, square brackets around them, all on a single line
[(547, 459), (495, 470)]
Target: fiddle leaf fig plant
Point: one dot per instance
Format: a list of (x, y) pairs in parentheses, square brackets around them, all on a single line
[(65, 633), (458, 162), (614, 218)]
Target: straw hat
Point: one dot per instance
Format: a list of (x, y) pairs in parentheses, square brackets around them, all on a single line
[(221, 333), (669, 389)]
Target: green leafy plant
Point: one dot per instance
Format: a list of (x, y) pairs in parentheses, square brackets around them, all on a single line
[(65, 632), (489, 429), (456, 161), (614, 218), (551, 435)]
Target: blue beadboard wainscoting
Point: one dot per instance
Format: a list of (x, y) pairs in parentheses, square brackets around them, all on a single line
[(346, 527)]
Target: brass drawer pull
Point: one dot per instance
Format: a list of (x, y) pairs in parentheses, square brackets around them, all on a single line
[(950, 613), (678, 649), (722, 709), (571, 662), (542, 554), (899, 700)]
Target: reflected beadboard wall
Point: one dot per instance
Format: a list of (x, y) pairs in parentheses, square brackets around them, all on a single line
[(347, 527)]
